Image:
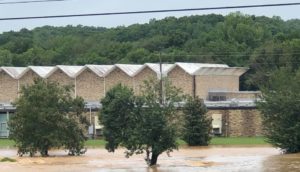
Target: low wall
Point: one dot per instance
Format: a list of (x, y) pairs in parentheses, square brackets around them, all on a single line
[(240, 122)]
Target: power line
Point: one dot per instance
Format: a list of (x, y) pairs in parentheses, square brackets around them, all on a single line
[(150, 11), (27, 2), (229, 54)]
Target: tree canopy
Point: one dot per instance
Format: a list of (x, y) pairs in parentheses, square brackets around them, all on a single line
[(280, 108), (258, 42), (47, 116), (142, 124)]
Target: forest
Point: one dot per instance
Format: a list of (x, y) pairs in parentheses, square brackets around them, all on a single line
[(260, 43)]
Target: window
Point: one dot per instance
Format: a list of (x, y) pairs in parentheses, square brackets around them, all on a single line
[(3, 125), (217, 98), (3, 129)]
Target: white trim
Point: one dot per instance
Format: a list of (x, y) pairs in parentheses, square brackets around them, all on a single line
[(104, 86), (7, 119), (18, 91), (75, 89), (133, 84), (222, 71)]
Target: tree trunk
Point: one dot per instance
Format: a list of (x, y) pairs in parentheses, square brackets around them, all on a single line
[(154, 159), (44, 153)]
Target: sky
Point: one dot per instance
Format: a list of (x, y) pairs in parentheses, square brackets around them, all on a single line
[(101, 6)]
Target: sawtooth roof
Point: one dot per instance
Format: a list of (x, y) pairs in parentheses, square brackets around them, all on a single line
[(43, 71), (15, 72), (130, 69), (156, 67), (101, 70), (71, 71)]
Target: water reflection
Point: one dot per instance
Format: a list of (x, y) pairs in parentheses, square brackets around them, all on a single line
[(287, 162)]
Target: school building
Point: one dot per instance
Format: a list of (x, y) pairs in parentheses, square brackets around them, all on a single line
[(234, 112)]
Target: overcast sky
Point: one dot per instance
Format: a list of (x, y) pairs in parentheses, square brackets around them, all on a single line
[(100, 6)]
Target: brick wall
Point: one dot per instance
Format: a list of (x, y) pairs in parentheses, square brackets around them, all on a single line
[(235, 122), (205, 83), (62, 78), (90, 86), (28, 78), (139, 79), (240, 122), (8, 88), (117, 76), (181, 79)]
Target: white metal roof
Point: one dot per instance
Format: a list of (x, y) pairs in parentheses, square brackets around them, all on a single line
[(43, 71), (71, 71), (233, 71), (156, 67), (101, 70), (190, 68), (15, 72), (130, 69)]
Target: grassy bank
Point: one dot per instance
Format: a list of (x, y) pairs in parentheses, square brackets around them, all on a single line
[(238, 141), (215, 141), (6, 143)]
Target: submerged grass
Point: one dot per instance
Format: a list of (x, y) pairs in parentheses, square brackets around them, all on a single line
[(6, 159), (215, 141), (95, 143), (238, 141), (99, 143), (6, 143)]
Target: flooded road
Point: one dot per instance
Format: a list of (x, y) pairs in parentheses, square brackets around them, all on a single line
[(263, 159)]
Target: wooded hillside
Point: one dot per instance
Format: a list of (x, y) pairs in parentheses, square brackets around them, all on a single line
[(261, 43)]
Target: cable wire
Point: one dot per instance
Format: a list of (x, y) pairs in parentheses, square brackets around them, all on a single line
[(28, 2), (229, 54), (150, 11)]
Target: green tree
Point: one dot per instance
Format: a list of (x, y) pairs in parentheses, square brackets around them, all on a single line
[(160, 120), (197, 125), (115, 115), (5, 58), (47, 116), (280, 108), (270, 57), (146, 123)]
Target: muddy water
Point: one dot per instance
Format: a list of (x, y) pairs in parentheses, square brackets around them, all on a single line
[(264, 159)]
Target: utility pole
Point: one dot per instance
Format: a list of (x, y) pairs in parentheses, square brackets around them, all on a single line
[(161, 80)]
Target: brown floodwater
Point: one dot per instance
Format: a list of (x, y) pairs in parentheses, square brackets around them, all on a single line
[(188, 159)]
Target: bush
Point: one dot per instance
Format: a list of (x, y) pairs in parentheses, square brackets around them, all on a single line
[(197, 125)]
